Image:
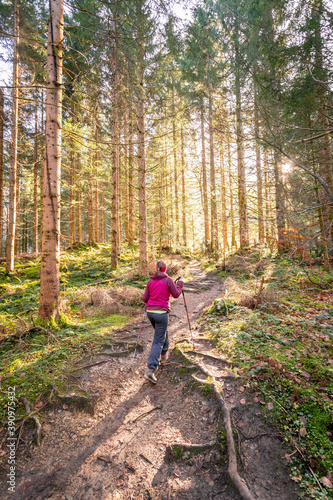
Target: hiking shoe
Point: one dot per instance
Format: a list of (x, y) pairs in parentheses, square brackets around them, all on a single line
[(149, 375), (163, 359)]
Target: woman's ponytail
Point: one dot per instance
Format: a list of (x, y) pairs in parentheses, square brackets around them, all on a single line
[(159, 266)]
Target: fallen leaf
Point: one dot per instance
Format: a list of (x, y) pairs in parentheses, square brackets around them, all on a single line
[(302, 431), (278, 346), (177, 472), (305, 374), (3, 452), (287, 457), (22, 375), (242, 401), (303, 421), (65, 407), (297, 479), (39, 405), (255, 400), (270, 406), (262, 402), (326, 482)]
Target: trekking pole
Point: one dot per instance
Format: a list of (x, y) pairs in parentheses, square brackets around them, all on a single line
[(137, 338), (188, 318)]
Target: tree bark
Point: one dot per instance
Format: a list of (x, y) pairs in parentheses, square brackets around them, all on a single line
[(143, 256), (223, 203), (175, 167), (35, 229), (126, 205), (49, 301), (131, 221), (232, 212), (242, 201), (79, 198), (213, 204), (2, 119), (114, 158), (71, 198), (183, 187), (204, 178), (12, 215), (261, 229), (91, 232), (279, 197)]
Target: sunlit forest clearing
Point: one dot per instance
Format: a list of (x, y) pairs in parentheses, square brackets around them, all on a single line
[(199, 133)]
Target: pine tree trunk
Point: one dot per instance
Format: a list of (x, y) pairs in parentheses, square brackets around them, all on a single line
[(261, 229), (131, 222), (267, 200), (242, 201), (143, 256), (18, 218), (183, 187), (96, 211), (13, 168), (101, 213), (232, 212), (119, 200), (79, 199), (223, 203), (213, 204), (279, 198), (175, 166), (71, 198), (41, 179), (204, 178), (2, 119), (126, 205), (35, 228), (49, 301), (114, 159), (91, 231)]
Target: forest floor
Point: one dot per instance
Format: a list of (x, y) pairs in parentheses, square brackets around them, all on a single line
[(107, 433)]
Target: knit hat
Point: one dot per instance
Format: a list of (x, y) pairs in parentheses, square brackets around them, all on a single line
[(161, 266)]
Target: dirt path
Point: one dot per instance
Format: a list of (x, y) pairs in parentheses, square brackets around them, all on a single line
[(121, 450)]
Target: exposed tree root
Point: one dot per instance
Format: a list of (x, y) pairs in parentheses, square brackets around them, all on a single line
[(146, 413), (93, 364), (33, 417), (178, 365), (115, 353), (210, 356), (232, 467)]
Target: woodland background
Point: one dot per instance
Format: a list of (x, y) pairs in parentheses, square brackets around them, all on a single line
[(216, 124)]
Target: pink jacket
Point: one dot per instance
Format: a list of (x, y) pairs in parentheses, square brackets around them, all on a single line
[(158, 291)]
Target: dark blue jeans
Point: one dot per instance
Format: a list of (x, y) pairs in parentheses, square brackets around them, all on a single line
[(160, 343)]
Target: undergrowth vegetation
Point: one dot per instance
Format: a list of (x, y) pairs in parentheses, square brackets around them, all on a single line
[(276, 322)]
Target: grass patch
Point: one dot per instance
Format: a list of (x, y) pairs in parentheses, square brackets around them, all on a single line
[(284, 349)]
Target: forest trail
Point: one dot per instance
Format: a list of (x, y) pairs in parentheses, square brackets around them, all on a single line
[(121, 450)]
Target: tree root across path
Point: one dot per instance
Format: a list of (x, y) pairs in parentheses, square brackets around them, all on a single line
[(238, 482), (33, 417)]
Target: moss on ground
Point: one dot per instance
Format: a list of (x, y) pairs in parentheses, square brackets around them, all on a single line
[(284, 349)]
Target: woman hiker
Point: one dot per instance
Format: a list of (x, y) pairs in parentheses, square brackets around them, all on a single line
[(158, 290)]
